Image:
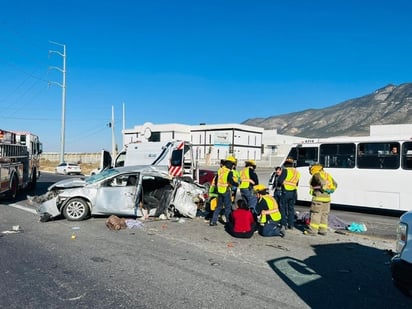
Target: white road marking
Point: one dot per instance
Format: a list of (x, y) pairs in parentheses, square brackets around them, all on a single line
[(25, 208)]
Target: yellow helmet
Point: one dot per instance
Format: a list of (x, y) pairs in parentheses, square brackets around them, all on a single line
[(315, 168), (251, 162), (289, 160), (231, 159), (260, 188)]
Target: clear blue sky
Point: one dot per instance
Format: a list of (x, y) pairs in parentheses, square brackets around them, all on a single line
[(191, 61)]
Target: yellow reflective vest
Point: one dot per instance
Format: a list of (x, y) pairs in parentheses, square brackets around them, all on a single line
[(235, 175), (327, 186), (292, 178), (272, 205), (245, 178), (213, 188), (222, 175)]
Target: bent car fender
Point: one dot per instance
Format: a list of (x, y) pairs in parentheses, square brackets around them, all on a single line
[(49, 207)]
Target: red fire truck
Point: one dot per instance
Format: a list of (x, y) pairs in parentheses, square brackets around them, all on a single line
[(19, 161)]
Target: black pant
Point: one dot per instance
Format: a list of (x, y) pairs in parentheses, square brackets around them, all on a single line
[(229, 229)]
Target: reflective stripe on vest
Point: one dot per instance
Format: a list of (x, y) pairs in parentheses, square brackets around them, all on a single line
[(222, 184), (292, 178), (245, 178), (323, 199), (271, 202)]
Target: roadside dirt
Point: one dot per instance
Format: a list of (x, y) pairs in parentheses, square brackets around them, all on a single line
[(49, 166)]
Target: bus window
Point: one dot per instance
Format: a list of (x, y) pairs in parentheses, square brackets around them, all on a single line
[(306, 156), (293, 153), (377, 156), (407, 156), (337, 155)]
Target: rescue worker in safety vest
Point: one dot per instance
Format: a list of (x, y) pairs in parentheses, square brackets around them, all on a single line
[(322, 185), (236, 178), (268, 212), (224, 182), (248, 179), (212, 201), (289, 181)]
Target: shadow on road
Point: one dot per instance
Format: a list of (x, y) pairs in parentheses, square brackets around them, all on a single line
[(345, 275)]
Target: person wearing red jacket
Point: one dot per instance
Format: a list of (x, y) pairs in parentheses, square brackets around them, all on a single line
[(242, 223)]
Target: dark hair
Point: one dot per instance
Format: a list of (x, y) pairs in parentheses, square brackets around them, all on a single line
[(241, 203)]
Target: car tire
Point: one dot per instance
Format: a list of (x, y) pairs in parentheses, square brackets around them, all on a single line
[(76, 209)]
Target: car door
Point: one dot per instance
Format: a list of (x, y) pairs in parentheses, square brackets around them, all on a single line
[(117, 195)]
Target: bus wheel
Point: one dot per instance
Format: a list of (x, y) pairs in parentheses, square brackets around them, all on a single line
[(76, 210)]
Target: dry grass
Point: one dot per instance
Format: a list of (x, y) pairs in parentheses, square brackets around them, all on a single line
[(49, 166)]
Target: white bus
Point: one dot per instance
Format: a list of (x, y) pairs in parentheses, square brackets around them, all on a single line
[(371, 172)]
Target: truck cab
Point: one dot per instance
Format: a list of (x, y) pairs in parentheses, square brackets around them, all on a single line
[(174, 157)]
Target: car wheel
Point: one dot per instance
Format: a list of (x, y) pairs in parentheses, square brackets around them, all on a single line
[(76, 209)]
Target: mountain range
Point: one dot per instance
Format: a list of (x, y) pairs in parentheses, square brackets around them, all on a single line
[(388, 105)]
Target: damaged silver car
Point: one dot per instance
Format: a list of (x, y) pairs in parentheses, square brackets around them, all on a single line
[(128, 191)]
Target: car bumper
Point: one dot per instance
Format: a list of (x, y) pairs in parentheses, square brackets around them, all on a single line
[(402, 274), (49, 208)]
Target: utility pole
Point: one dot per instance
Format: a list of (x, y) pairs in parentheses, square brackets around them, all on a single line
[(63, 86), (124, 122), (124, 117), (113, 137)]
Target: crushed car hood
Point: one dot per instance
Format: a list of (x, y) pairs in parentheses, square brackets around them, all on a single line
[(68, 183)]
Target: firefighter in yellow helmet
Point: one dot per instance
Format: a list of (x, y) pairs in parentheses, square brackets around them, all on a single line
[(248, 179), (224, 182), (267, 210), (322, 185)]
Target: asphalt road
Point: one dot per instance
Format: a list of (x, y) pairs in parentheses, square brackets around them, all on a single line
[(185, 264)]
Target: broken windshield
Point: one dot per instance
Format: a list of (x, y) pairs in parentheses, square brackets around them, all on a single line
[(103, 175)]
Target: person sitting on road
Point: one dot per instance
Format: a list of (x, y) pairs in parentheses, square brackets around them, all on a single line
[(242, 223)]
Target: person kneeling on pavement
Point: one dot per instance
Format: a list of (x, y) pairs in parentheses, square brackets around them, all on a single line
[(267, 210), (242, 223)]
